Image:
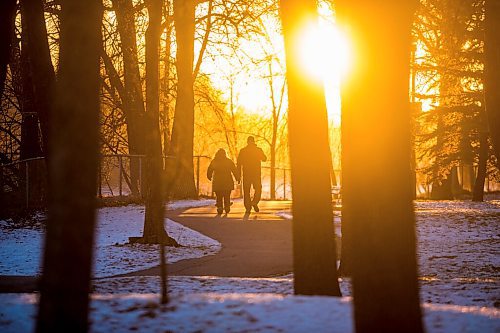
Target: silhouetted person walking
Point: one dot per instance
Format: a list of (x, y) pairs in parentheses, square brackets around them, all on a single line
[(249, 160), (220, 172)]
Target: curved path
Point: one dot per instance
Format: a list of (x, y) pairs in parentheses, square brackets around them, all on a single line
[(253, 245)]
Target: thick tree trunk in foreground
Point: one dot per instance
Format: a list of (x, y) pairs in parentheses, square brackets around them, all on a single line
[(377, 208), (314, 253), (183, 126), (7, 17), (74, 140), (43, 75), (491, 72)]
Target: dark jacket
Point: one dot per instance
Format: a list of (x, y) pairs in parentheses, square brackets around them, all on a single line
[(220, 172), (249, 160)]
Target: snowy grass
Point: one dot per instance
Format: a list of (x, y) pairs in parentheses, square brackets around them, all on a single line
[(458, 252), (214, 312), (21, 249)]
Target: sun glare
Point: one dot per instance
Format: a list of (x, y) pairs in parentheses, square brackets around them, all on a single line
[(324, 51)]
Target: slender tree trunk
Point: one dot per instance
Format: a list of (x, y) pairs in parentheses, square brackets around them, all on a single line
[(183, 127), (441, 190), (314, 253), (153, 224), (30, 143), (43, 75), (478, 190), (273, 170), (7, 20), (133, 102), (491, 70), (380, 227), (166, 128), (74, 140), (154, 229), (274, 136)]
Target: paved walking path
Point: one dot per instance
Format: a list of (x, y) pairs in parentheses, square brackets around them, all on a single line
[(253, 245)]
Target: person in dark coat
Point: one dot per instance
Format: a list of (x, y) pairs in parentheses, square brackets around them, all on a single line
[(220, 172), (249, 160)]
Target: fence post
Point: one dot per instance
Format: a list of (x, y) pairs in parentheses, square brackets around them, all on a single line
[(27, 185), (120, 175), (198, 175)]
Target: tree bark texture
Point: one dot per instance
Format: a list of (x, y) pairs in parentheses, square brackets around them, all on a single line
[(314, 252), (491, 72), (183, 126), (133, 101), (378, 222), (154, 230), (40, 62), (7, 20), (73, 167), (30, 136)]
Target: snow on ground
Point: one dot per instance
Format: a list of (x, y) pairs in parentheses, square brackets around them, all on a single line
[(458, 246), (20, 249), (214, 312), (459, 258)]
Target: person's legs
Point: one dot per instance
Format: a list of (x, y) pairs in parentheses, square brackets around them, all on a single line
[(218, 201), (257, 185), (246, 194), (227, 201)]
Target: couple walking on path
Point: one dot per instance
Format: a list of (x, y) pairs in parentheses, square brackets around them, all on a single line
[(221, 171)]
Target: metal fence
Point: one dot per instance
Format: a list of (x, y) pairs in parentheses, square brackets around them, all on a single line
[(23, 184)]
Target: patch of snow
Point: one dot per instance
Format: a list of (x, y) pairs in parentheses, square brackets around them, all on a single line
[(214, 312), (179, 204), (287, 215), (21, 249)]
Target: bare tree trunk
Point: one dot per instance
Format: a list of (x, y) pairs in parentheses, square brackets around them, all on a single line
[(153, 224), (166, 118), (274, 136), (314, 252), (491, 70), (43, 75), (441, 190), (183, 127), (478, 191), (30, 145), (154, 230), (7, 20), (133, 102), (74, 147), (380, 227)]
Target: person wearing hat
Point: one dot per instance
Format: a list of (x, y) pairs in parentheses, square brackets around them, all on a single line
[(221, 171), (249, 170)]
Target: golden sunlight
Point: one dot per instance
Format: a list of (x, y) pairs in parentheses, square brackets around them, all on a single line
[(324, 51)]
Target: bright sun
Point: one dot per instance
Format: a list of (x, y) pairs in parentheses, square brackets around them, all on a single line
[(324, 51)]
